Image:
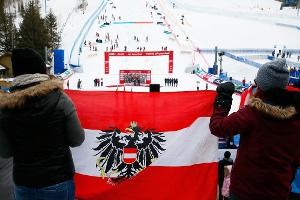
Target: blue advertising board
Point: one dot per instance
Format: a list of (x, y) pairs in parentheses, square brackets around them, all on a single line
[(59, 61), (211, 70)]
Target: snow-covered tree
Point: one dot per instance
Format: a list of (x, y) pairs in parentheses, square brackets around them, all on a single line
[(32, 32), (82, 4), (7, 30), (53, 34)]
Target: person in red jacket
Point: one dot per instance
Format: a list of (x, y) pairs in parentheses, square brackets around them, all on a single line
[(269, 128)]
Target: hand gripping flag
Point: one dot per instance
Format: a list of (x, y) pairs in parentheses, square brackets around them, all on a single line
[(145, 146)]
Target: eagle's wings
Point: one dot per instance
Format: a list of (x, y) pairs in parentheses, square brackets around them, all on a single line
[(110, 149), (110, 152), (149, 146)]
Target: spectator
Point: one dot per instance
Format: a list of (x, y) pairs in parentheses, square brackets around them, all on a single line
[(283, 55), (68, 84), (79, 84), (97, 82), (101, 82), (222, 163), (271, 116), (38, 124), (273, 53), (226, 183)]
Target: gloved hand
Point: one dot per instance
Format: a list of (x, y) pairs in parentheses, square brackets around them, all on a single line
[(224, 96)]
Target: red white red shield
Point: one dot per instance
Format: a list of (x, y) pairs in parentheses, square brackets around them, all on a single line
[(129, 154)]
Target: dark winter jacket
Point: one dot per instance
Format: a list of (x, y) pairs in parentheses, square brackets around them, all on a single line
[(6, 181), (269, 151), (38, 123)]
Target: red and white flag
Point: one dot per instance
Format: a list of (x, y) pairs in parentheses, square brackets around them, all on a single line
[(145, 146)]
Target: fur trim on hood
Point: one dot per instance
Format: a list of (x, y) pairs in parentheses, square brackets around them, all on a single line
[(276, 112), (18, 98)]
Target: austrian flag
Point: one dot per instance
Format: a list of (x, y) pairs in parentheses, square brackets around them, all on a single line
[(145, 146)]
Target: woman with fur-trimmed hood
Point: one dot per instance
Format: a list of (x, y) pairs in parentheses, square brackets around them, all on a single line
[(38, 125), (269, 128)]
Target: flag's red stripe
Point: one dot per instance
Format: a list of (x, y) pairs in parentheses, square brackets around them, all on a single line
[(130, 150), (129, 160), (163, 111), (198, 182)]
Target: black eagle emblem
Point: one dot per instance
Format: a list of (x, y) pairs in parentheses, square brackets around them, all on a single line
[(124, 154)]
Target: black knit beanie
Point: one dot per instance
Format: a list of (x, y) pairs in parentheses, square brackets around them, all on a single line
[(27, 61)]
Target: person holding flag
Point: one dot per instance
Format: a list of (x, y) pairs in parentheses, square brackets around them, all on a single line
[(38, 125), (269, 128)]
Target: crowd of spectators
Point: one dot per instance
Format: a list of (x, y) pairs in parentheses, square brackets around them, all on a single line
[(173, 82), (294, 72)]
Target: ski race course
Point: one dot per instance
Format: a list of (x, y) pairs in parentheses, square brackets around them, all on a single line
[(164, 28), (142, 75)]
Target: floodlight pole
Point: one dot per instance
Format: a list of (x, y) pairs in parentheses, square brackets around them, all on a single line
[(221, 59), (215, 66)]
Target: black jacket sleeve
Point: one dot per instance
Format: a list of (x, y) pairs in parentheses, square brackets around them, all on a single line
[(75, 133), (6, 150)]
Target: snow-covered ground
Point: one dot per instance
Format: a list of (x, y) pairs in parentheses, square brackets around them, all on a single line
[(207, 23)]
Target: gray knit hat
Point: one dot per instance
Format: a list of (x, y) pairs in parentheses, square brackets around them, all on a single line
[(273, 74)]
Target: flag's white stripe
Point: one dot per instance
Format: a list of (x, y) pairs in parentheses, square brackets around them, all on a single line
[(129, 155), (189, 146), (185, 147)]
